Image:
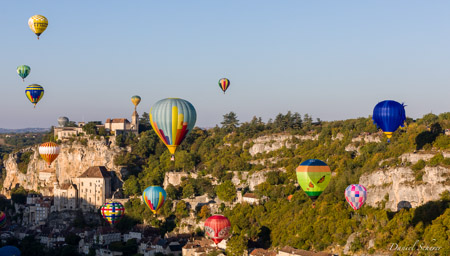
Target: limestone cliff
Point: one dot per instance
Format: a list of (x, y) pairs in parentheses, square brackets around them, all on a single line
[(74, 159), (402, 188)]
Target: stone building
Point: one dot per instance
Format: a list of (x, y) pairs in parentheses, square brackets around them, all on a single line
[(36, 210), (122, 125), (94, 186), (87, 191), (65, 196), (68, 132)]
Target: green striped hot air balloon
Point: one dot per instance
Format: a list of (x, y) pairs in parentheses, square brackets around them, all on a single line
[(23, 71), (313, 176)]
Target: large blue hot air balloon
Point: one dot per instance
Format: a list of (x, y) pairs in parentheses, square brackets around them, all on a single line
[(9, 251), (389, 115)]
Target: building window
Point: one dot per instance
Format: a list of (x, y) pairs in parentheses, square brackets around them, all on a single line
[(90, 184)]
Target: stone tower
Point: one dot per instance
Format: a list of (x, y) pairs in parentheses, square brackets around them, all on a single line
[(135, 122)]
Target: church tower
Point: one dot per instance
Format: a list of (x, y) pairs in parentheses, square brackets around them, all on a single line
[(135, 122)]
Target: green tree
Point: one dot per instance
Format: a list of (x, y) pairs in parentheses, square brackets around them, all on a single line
[(226, 191), (230, 121), (237, 245), (91, 127), (181, 210), (131, 186), (204, 212), (188, 190)]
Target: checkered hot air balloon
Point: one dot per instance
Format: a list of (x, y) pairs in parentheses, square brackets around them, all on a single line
[(112, 212), (224, 83), (49, 151), (356, 195), (154, 197), (38, 24), (2, 220), (217, 227)]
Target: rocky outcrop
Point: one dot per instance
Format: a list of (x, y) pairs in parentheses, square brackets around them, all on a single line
[(415, 157), (73, 160), (402, 188), (274, 142), (175, 178), (367, 137)]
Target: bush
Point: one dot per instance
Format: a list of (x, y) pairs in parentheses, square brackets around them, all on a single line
[(23, 161), (419, 165)]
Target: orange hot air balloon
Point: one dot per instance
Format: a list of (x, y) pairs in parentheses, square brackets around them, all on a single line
[(49, 151)]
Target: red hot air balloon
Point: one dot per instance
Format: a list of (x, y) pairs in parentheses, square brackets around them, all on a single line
[(217, 227)]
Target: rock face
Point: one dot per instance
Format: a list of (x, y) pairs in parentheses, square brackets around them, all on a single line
[(273, 142), (401, 186), (72, 161)]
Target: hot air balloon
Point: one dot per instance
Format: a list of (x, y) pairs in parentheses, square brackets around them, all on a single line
[(389, 115), (154, 197), (49, 151), (224, 83), (135, 99), (313, 176), (112, 212), (356, 195), (217, 227), (2, 220), (34, 93), (38, 24), (62, 121), (23, 71), (172, 119), (9, 251)]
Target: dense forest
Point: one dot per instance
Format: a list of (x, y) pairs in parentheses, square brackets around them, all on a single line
[(214, 153)]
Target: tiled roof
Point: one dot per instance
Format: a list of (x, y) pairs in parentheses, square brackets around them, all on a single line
[(250, 195), (117, 120), (96, 172), (262, 252)]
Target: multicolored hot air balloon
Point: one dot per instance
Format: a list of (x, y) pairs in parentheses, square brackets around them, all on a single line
[(9, 250), (34, 93), (389, 115), (217, 227), (135, 99), (172, 119), (356, 195), (224, 83), (112, 212), (38, 24), (154, 197), (2, 220), (313, 176), (49, 151), (23, 71)]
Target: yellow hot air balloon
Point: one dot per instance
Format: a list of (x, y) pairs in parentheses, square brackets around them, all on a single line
[(135, 99), (38, 24), (49, 151)]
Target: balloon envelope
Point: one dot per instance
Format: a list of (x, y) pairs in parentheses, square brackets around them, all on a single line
[(389, 115), (62, 121), (224, 83), (34, 93), (9, 251), (23, 71), (2, 219), (356, 195), (112, 212), (154, 197), (38, 24), (49, 151), (217, 227), (135, 99), (172, 119), (313, 175)]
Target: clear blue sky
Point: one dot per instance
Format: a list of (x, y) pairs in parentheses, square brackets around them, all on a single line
[(331, 59)]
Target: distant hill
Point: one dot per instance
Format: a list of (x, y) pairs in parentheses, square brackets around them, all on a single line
[(24, 130)]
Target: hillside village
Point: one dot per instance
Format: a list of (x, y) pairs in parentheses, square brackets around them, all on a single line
[(115, 161)]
